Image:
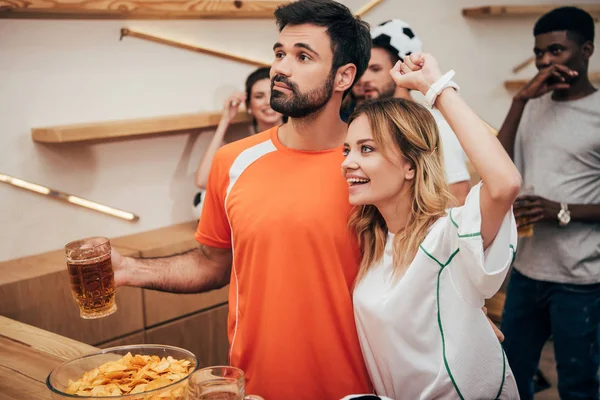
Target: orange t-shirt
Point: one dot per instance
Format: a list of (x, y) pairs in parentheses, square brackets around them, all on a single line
[(285, 214)]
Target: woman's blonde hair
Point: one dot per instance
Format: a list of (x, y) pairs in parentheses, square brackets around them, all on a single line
[(413, 132)]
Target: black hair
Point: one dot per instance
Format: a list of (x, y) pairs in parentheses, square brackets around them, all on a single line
[(349, 35), (391, 51), (578, 23), (258, 75)]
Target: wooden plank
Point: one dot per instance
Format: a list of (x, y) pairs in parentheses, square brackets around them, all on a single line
[(204, 334), (46, 302), (28, 355), (195, 48), (127, 129), (161, 307), (523, 65), (32, 266), (134, 338), (27, 360), (160, 242), (522, 11), (38, 265), (547, 366), (517, 84), (495, 306), (367, 7), (15, 386), (138, 9), (475, 177), (47, 342)]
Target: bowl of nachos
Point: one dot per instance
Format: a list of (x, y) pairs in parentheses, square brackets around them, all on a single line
[(135, 372)]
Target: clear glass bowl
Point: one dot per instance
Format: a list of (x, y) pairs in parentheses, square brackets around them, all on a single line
[(58, 380)]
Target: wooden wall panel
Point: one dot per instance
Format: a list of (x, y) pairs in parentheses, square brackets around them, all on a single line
[(46, 302), (134, 338), (204, 334), (41, 264), (160, 242), (161, 307)]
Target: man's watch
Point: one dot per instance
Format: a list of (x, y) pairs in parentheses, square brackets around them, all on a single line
[(564, 215)]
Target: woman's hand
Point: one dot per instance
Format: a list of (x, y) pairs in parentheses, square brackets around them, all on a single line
[(418, 72), (232, 106)]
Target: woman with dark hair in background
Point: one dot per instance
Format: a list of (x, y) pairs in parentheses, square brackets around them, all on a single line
[(257, 98)]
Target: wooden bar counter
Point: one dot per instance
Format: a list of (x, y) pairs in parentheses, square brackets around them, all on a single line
[(27, 355), (35, 290)]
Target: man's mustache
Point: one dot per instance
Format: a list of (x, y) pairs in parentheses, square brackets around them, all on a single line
[(285, 81)]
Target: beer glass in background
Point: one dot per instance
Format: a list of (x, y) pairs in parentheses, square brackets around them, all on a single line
[(92, 277), (218, 383), (527, 230)]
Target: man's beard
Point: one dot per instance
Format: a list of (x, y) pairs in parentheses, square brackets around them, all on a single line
[(300, 105), (386, 92)]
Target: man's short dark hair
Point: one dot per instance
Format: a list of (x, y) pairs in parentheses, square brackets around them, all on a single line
[(349, 36), (577, 22)]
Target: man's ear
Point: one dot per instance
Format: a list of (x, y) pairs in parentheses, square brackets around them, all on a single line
[(344, 77), (587, 49)]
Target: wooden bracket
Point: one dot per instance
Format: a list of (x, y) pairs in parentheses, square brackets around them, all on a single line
[(367, 7), (197, 49), (523, 65)]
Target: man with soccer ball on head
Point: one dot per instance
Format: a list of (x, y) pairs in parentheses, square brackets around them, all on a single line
[(393, 41)]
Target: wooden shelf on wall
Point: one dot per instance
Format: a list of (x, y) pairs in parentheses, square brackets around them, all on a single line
[(139, 9), (517, 84), (522, 11), (112, 130)]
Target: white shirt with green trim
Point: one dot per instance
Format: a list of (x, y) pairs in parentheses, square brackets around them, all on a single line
[(424, 335)]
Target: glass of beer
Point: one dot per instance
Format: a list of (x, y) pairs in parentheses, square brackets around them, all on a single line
[(218, 383), (92, 277), (527, 230)]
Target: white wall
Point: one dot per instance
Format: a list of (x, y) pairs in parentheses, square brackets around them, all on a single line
[(63, 72)]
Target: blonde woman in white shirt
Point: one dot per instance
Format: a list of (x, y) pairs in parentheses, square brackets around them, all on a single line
[(426, 270)]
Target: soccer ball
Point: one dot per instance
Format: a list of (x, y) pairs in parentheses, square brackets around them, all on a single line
[(198, 203), (397, 35)]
